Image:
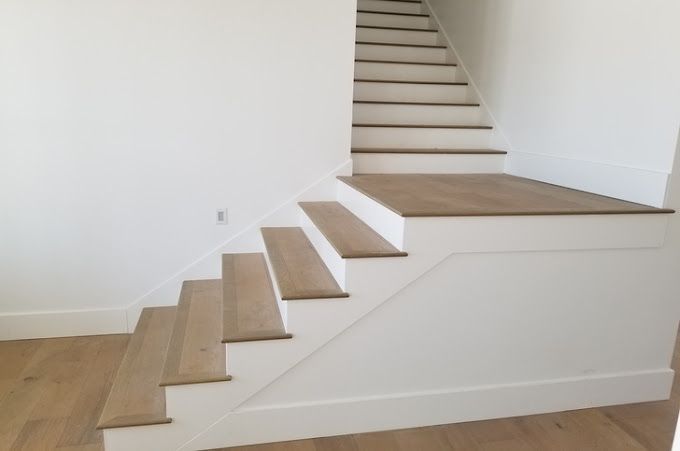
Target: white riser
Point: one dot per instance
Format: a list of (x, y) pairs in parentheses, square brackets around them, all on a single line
[(397, 36), (427, 164), (396, 53), (367, 113), (391, 71), (397, 7), (390, 20), (405, 92), (333, 260), (420, 138)]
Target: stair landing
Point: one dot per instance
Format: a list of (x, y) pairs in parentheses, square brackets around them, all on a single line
[(429, 195)]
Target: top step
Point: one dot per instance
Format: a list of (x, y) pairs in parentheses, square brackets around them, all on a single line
[(136, 399), (300, 273), (195, 353), (349, 235), (431, 195)]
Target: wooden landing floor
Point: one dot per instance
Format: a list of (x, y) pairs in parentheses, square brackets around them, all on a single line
[(422, 195), (53, 391)]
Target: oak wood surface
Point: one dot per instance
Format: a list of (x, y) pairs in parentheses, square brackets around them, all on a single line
[(250, 309), (195, 352), (349, 235), (423, 195), (136, 398), (33, 368), (299, 271)]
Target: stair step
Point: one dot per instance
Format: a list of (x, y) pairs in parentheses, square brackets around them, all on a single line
[(402, 52), (410, 137), (404, 62), (299, 271), (430, 151), (376, 113), (377, 19), (135, 398), (392, 13), (196, 354), (432, 195), (459, 127), (386, 102), (390, 5), (397, 35), (412, 82), (397, 44), (377, 27), (250, 310), (376, 91), (348, 235), (404, 71)]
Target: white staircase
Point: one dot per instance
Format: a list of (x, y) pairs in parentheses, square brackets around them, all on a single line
[(443, 334)]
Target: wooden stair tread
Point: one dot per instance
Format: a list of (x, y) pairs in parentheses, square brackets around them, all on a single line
[(404, 62), (391, 13), (460, 127), (250, 309), (135, 398), (378, 27), (430, 151), (397, 44), (299, 271), (411, 82), (385, 102), (195, 353), (429, 195), (402, 1), (349, 235)]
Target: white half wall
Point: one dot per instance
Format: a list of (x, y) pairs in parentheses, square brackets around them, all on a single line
[(586, 94), (124, 125)]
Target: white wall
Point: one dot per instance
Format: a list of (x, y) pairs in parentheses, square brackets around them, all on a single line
[(125, 124), (586, 93)]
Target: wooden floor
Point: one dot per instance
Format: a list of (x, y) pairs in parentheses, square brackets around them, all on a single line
[(52, 393), (413, 195)]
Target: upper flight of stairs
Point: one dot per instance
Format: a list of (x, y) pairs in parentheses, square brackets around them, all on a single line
[(421, 148), (409, 95)]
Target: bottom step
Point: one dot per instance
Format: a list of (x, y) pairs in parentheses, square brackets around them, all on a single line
[(462, 162), (135, 398)]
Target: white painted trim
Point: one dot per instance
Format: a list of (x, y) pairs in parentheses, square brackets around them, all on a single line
[(71, 323), (402, 410), (643, 185)]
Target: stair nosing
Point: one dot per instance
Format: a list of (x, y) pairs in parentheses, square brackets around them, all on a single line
[(397, 44), (411, 82), (426, 126), (391, 13), (379, 27), (401, 1), (386, 102), (405, 62), (380, 151)]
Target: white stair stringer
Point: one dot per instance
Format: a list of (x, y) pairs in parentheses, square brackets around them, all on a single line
[(370, 283)]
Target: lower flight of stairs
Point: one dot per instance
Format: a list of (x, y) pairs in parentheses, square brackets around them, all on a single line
[(421, 149)]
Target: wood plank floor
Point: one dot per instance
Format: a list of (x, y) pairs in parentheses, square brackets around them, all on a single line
[(422, 195), (52, 392)]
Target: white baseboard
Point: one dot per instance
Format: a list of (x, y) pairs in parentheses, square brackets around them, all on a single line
[(632, 184), (69, 323), (407, 410)]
